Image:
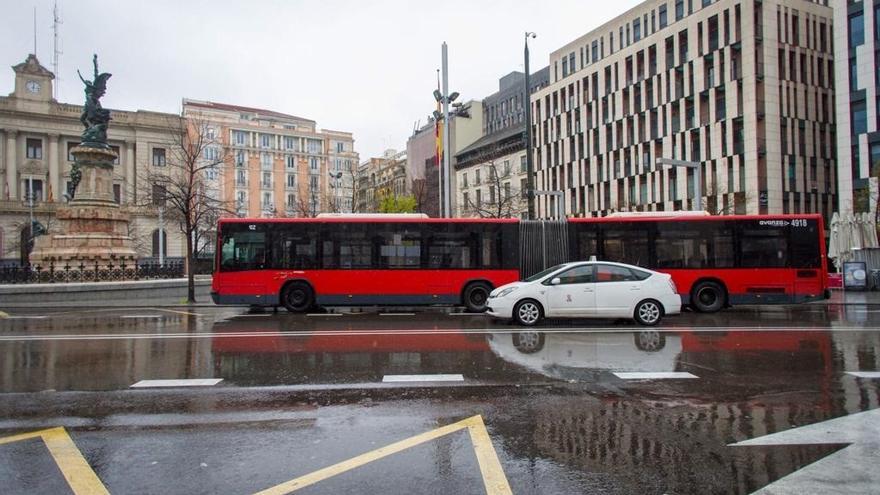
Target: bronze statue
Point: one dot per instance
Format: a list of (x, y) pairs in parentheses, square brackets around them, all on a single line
[(95, 118)]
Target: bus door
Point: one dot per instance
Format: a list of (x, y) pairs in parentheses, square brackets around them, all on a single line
[(806, 259)]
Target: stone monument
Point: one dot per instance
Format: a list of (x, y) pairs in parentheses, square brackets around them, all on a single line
[(92, 229)]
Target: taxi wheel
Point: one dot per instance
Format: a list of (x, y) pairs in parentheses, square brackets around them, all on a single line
[(528, 342), (648, 313), (298, 297), (527, 312)]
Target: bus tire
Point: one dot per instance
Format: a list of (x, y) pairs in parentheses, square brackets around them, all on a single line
[(298, 297), (708, 297), (476, 297)]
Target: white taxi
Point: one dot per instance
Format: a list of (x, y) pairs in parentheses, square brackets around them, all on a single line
[(588, 289)]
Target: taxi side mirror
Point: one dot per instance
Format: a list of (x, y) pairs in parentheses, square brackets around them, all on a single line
[(556, 281)]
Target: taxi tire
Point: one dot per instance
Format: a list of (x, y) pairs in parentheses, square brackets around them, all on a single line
[(531, 304), (648, 313), (528, 342), (298, 297)]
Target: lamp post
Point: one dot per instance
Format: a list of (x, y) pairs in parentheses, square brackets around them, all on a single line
[(336, 176), (530, 166), (445, 98), (698, 180)]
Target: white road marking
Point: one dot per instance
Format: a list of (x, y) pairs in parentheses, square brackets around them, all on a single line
[(852, 469), (192, 382), (864, 374), (412, 331), (422, 378), (396, 314), (23, 317), (467, 314), (662, 375), (142, 316), (323, 314), (252, 315), (178, 312)]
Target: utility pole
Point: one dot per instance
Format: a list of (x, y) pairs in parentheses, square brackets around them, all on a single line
[(447, 184), (56, 63), (530, 166)]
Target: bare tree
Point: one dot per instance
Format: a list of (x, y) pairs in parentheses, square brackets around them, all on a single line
[(307, 206), (420, 193), (505, 201), (185, 185)]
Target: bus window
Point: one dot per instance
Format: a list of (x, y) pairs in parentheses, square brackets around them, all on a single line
[(400, 246), (448, 249), (763, 247), (296, 246), (586, 243), (243, 250), (804, 248), (625, 245)]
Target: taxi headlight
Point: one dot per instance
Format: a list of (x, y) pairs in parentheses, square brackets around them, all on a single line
[(505, 292)]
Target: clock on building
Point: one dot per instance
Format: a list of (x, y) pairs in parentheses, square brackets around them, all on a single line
[(33, 86)]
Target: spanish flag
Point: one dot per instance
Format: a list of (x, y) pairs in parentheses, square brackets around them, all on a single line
[(438, 131)]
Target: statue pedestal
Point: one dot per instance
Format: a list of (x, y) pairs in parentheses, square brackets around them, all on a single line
[(92, 229)]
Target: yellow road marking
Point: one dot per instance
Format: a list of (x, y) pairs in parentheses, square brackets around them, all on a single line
[(76, 470), (493, 475)]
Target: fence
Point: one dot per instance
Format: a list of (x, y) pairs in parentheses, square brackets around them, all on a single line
[(37, 274)]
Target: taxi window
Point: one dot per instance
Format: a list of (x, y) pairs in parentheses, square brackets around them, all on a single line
[(613, 273)]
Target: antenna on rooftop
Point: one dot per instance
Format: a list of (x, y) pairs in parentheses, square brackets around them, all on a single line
[(56, 57), (35, 31)]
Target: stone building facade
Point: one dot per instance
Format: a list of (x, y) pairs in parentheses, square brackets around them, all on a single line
[(36, 135), (277, 165), (857, 79), (381, 177), (744, 87)]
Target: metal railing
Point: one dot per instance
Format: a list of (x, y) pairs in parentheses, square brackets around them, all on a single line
[(57, 273)]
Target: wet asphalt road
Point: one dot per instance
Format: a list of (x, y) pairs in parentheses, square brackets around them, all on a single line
[(554, 411)]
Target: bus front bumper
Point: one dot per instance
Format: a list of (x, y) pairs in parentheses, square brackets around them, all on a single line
[(245, 300)]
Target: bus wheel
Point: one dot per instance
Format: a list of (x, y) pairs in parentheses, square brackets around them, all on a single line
[(297, 297), (476, 297), (708, 297)]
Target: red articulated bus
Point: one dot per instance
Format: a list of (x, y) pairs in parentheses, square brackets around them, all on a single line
[(403, 260), (715, 261), (357, 260)]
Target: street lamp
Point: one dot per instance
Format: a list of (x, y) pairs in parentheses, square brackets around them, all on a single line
[(445, 98), (527, 100), (336, 176), (698, 180)]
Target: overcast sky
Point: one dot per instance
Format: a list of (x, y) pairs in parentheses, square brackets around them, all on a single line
[(367, 67)]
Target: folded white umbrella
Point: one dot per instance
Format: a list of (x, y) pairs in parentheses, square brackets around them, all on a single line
[(834, 240)]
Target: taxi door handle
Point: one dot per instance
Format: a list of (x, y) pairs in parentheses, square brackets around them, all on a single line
[(588, 290), (635, 288)]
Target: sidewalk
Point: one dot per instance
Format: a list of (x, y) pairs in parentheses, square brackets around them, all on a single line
[(839, 296)]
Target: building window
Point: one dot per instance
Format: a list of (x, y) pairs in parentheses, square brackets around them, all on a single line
[(156, 238), (679, 9), (158, 157), (159, 194), (117, 193), (291, 161), (239, 158), (314, 145), (313, 164), (241, 178), (70, 146), (289, 142), (34, 148), (212, 154), (267, 179), (266, 140), (33, 190), (661, 13), (209, 132), (266, 160), (637, 30), (239, 138), (859, 117), (856, 30), (291, 181)]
